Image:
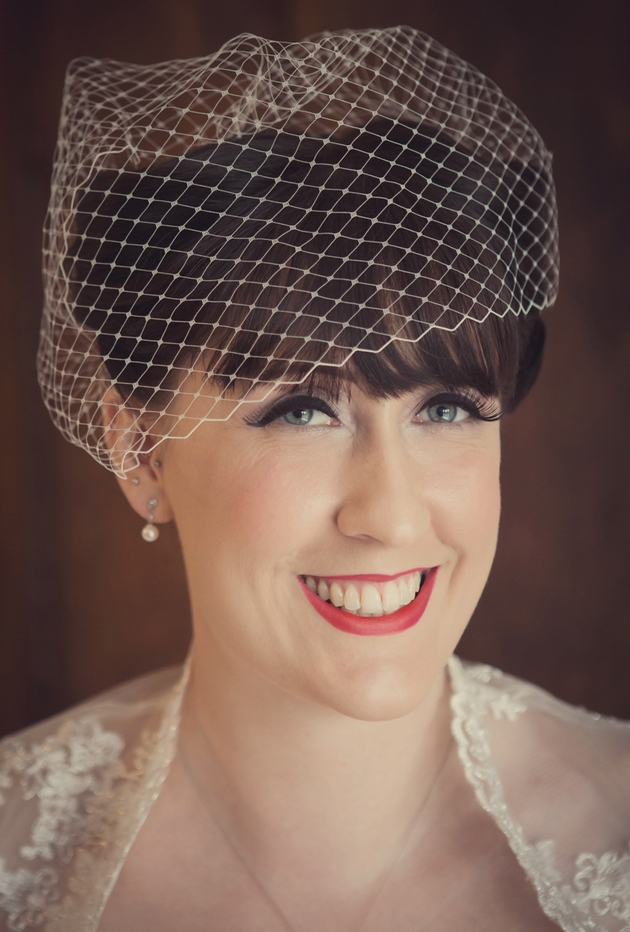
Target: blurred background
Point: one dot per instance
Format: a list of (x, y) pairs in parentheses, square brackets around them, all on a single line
[(85, 603)]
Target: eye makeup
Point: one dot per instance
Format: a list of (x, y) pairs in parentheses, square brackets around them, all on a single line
[(478, 407), (280, 406)]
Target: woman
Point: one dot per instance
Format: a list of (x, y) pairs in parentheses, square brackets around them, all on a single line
[(291, 291)]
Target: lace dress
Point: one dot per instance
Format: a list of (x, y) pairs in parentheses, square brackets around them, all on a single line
[(75, 791)]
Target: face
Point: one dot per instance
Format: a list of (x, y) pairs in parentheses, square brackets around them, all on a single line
[(292, 494)]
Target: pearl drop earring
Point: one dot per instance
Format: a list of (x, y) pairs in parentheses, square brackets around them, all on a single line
[(149, 531)]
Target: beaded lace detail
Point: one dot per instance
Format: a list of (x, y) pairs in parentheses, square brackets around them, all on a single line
[(600, 886), (89, 804), (90, 793), (80, 759)]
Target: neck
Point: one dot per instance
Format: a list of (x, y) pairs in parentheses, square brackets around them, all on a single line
[(267, 758)]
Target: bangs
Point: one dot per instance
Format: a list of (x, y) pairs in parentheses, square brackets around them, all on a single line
[(368, 334), (497, 361), (307, 267)]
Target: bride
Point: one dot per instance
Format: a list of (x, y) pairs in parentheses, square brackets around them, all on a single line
[(291, 292)]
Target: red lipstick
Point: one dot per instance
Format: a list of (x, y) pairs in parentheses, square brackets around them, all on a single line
[(405, 617), (379, 577)]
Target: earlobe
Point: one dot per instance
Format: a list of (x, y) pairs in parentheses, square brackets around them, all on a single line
[(138, 474), (145, 493)]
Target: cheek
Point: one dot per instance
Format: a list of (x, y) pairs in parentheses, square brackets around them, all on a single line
[(262, 509), (465, 508), (475, 508), (466, 492)]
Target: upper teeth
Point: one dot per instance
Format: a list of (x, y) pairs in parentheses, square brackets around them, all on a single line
[(366, 598)]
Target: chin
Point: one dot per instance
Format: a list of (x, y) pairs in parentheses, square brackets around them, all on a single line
[(381, 692)]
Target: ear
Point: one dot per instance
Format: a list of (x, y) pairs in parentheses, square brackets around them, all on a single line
[(126, 436)]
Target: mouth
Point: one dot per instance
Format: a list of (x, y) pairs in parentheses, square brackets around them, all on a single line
[(370, 605)]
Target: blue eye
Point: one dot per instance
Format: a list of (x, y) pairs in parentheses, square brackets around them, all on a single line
[(299, 416), (442, 413), (445, 413), (302, 411)]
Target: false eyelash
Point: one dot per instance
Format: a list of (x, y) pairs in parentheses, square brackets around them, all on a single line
[(482, 409), (284, 405)]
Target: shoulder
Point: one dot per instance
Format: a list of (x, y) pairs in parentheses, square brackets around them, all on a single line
[(583, 736), (492, 689), (541, 742), (62, 782), (84, 738), (556, 779)]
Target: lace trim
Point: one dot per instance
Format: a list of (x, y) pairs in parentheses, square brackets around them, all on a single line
[(601, 885), (25, 895), (110, 822), (90, 807)]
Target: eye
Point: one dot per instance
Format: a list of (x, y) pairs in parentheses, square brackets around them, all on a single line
[(444, 412), (302, 417), (303, 411)]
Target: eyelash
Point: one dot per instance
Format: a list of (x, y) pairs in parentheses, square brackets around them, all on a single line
[(291, 403), (479, 410)]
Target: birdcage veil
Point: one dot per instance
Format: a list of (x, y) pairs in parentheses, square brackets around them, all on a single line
[(274, 207)]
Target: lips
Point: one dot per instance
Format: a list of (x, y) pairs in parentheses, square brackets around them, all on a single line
[(367, 595), (392, 623)]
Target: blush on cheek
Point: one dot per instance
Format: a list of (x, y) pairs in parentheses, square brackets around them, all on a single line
[(483, 507), (466, 498), (270, 509)]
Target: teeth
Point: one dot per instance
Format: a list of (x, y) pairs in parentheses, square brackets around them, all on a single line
[(367, 599), (391, 597), (351, 599), (406, 595), (371, 603), (336, 595)]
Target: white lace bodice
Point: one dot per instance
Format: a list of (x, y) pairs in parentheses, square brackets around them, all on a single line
[(75, 790)]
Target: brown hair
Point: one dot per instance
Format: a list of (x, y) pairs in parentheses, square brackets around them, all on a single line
[(275, 254)]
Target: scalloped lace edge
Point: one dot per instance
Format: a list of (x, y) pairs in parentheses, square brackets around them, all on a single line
[(600, 885)]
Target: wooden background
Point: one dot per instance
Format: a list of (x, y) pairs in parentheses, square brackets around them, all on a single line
[(85, 603)]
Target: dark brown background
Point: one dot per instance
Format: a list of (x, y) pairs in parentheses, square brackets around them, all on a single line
[(85, 603)]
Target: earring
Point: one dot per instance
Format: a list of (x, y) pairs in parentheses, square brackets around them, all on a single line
[(149, 531), (135, 480)]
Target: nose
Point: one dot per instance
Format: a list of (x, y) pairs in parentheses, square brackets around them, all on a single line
[(386, 499)]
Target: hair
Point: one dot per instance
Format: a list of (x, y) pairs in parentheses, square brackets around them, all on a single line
[(275, 255)]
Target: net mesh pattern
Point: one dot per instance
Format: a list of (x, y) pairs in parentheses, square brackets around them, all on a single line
[(275, 207)]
